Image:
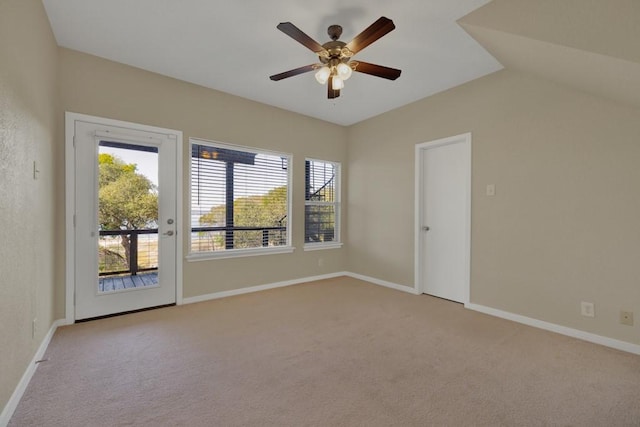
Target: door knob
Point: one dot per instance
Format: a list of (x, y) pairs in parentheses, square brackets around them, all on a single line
[(425, 228), (168, 233)]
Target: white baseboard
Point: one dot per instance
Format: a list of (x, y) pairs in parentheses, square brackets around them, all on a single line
[(575, 333), (563, 330), (540, 324), (12, 404), (384, 283), (241, 291)]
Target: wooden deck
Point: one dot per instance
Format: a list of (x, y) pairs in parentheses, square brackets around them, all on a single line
[(116, 283)]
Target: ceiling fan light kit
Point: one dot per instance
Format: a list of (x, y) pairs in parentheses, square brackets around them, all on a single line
[(323, 75), (335, 64)]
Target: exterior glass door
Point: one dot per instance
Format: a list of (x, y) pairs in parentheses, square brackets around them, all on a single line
[(125, 220)]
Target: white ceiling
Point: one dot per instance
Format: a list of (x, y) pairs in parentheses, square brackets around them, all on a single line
[(234, 46)]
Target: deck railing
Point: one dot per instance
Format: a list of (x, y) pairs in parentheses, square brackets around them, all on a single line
[(239, 237), (143, 253), (143, 246)]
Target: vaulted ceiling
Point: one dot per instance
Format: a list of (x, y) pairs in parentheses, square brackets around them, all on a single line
[(234, 46), (591, 45)]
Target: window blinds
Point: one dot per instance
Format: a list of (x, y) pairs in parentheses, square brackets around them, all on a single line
[(239, 198)]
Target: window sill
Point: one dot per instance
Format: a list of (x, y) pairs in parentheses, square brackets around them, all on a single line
[(322, 246), (238, 253)]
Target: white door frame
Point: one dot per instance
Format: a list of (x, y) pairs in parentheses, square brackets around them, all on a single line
[(419, 235), (70, 184)]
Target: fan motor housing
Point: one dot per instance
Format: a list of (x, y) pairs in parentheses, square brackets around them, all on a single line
[(335, 50)]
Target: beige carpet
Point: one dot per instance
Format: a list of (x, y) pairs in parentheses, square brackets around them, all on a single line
[(334, 353)]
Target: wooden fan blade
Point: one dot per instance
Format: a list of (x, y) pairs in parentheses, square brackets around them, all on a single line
[(296, 33), (377, 70), (293, 72), (331, 94), (376, 30)]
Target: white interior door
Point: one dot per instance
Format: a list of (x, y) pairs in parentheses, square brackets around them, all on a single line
[(445, 218), (125, 219)]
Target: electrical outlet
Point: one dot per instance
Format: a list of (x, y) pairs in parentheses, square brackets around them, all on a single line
[(587, 309), (626, 318)]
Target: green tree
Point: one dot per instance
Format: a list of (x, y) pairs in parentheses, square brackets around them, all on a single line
[(128, 200), (268, 210)]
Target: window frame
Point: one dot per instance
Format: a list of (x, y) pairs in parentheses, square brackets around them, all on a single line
[(243, 252), (337, 206)]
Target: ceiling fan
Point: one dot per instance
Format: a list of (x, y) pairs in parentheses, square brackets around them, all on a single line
[(335, 56)]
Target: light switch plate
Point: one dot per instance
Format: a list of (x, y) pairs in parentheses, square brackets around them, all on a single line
[(491, 189)]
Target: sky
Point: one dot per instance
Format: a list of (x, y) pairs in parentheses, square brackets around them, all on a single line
[(147, 163)]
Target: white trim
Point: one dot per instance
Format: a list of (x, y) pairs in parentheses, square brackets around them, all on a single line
[(563, 330), (203, 256), (69, 215), (181, 226), (241, 291), (552, 327), (239, 253), (540, 324), (384, 283), (251, 289), (70, 176), (321, 246), (417, 219), (464, 138), (337, 204), (14, 400)]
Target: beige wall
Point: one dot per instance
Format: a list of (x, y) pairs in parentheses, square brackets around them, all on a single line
[(27, 133), (563, 226), (95, 86)]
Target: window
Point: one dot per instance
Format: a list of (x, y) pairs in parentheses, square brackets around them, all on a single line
[(322, 204), (240, 202)]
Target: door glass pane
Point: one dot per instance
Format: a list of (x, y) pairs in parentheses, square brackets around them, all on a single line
[(127, 216)]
